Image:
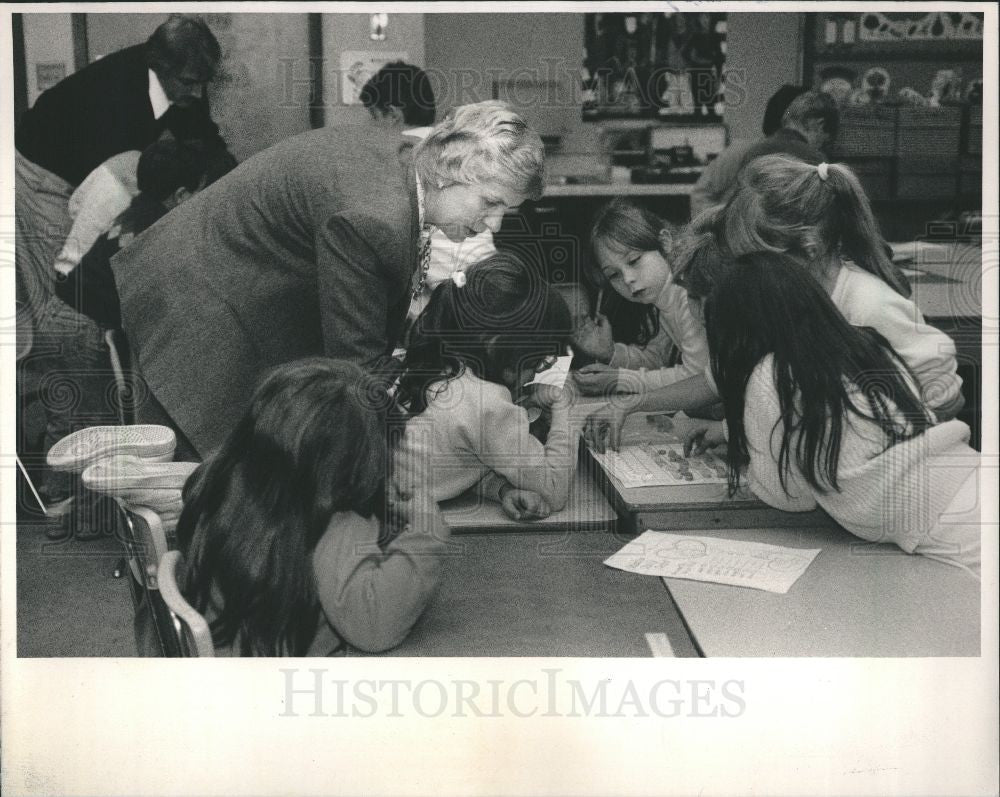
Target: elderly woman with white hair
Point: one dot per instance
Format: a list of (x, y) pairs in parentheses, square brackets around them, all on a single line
[(311, 247)]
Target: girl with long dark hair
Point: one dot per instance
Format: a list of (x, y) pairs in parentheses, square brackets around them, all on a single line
[(292, 542), (821, 412)]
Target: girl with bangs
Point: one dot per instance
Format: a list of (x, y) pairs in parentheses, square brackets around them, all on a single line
[(644, 337)]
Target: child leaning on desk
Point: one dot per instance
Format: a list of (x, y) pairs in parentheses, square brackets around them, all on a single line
[(631, 248), (293, 543), (483, 336), (818, 411), (821, 216)]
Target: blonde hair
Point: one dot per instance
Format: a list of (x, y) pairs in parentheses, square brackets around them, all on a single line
[(483, 143), (782, 204)]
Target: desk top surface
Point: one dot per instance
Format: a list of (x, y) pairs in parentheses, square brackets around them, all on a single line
[(855, 599), (947, 279), (586, 509), (524, 594)]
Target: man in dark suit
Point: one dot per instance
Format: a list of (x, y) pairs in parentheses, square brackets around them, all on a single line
[(311, 247), (121, 102)]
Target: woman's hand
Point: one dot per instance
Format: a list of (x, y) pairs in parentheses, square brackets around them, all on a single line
[(594, 337), (703, 435), (603, 429), (596, 379), (524, 504)]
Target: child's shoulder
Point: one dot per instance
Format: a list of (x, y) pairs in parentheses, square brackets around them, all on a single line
[(468, 391), (859, 293)]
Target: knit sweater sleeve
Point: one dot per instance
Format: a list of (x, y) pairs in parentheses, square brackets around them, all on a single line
[(762, 420), (867, 301), (678, 327), (655, 354), (502, 441), (373, 596)]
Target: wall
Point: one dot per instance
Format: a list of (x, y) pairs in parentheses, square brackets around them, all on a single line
[(341, 32), (261, 95), (48, 39), (264, 94), (470, 48), (466, 53), (766, 51)]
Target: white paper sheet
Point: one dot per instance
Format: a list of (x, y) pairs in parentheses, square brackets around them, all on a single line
[(773, 568), (554, 375)]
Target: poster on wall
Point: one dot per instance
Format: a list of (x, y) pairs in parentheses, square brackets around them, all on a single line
[(48, 74), (357, 66), (653, 65)]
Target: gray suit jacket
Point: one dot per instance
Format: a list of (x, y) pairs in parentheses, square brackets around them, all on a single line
[(307, 248)]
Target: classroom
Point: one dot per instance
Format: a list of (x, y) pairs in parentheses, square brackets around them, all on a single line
[(591, 334)]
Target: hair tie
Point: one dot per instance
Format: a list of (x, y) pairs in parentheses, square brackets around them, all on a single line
[(458, 277), (823, 170)]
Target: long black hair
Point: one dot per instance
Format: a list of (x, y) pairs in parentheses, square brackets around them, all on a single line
[(766, 303), (312, 443), (500, 319)]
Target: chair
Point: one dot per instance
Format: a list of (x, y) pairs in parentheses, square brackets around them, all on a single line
[(124, 390), (193, 635), (146, 544)]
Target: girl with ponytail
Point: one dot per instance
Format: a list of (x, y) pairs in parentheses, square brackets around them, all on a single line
[(821, 215)]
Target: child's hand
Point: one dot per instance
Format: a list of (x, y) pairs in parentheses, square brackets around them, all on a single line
[(603, 429), (596, 379), (552, 397), (593, 337), (524, 505), (702, 436)]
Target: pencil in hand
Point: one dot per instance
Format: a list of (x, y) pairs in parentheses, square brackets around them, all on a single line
[(597, 306)]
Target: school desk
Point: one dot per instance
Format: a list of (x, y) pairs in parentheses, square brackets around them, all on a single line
[(689, 506), (947, 280), (855, 599), (541, 589), (523, 593), (947, 283), (586, 510)]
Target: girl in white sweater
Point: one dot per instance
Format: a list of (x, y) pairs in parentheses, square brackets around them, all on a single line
[(822, 412), (631, 248), (483, 336)]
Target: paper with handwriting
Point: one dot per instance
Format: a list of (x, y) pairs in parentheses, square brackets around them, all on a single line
[(773, 568)]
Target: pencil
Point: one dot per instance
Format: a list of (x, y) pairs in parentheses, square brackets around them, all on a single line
[(597, 307)]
